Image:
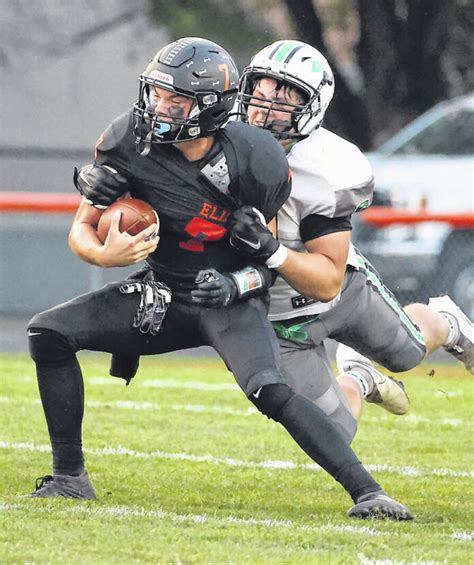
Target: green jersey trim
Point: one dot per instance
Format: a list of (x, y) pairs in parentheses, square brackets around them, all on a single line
[(391, 301)]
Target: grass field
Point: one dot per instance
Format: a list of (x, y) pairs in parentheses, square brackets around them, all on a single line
[(188, 472)]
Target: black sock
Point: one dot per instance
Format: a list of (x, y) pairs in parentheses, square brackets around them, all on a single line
[(62, 394), (319, 437), (68, 458)]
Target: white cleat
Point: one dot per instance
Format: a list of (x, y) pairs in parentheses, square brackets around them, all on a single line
[(463, 349), (387, 391)]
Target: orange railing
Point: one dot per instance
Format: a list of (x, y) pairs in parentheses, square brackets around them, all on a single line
[(377, 216), (39, 202), (381, 216)]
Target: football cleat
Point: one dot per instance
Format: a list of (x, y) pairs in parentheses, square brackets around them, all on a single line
[(463, 349), (387, 391), (64, 485), (379, 505)]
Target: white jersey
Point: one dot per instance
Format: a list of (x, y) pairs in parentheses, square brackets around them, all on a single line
[(332, 178)]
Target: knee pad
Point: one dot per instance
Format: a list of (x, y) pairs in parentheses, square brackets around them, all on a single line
[(270, 399), (48, 347)]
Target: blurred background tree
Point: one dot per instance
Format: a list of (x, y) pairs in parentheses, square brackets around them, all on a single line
[(393, 59)]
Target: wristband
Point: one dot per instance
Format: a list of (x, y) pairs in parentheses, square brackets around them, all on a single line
[(248, 281), (278, 258)]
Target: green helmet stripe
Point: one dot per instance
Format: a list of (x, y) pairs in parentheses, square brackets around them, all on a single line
[(283, 51), (277, 46), (293, 52)]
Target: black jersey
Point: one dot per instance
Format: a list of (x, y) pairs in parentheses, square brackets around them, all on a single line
[(195, 212)]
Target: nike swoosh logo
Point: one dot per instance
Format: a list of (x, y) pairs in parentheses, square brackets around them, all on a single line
[(257, 393), (250, 243), (33, 333)]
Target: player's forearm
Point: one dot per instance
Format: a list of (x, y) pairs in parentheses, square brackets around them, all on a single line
[(84, 242), (314, 275)]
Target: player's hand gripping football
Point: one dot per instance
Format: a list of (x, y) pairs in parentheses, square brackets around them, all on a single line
[(250, 234), (100, 185), (121, 249)]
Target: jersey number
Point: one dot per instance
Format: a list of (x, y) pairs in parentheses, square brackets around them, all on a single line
[(200, 231)]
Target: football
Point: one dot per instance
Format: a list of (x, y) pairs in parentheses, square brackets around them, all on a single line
[(137, 215)]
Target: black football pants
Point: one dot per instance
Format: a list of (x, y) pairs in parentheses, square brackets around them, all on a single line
[(102, 321), (240, 333)]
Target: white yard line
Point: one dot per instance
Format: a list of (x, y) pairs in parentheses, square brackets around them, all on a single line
[(197, 385), (269, 464), (250, 411), (150, 383), (145, 406), (139, 512), (166, 383), (416, 419), (464, 536), (160, 514), (200, 408)]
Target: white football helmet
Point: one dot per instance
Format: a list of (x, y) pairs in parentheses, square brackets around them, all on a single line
[(296, 64)]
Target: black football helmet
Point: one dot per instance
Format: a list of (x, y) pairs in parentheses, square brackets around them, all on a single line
[(195, 68)]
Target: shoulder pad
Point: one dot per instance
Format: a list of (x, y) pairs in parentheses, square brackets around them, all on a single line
[(266, 158), (262, 168), (117, 137), (331, 176)]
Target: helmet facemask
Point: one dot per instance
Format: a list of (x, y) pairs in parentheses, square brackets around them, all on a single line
[(290, 114), (295, 65), (177, 125), (196, 69), (166, 128)]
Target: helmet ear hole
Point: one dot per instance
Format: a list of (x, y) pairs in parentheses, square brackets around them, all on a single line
[(327, 78)]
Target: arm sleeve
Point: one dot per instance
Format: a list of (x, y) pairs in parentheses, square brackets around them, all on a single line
[(314, 226)]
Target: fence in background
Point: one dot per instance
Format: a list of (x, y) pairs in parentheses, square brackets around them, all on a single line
[(37, 268), (418, 254)]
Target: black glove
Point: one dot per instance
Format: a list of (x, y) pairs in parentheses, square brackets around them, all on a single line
[(250, 234), (100, 185), (154, 302), (122, 365), (215, 290)]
